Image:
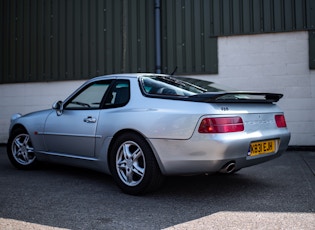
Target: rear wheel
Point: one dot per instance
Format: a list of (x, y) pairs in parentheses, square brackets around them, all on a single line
[(20, 150), (133, 165)]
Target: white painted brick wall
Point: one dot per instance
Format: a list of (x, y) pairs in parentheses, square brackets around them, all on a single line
[(274, 63), (269, 62), (29, 97)]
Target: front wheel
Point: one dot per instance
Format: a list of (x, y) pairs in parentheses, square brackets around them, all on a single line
[(133, 165), (20, 150)]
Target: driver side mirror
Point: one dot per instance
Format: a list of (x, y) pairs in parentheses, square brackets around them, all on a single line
[(58, 106)]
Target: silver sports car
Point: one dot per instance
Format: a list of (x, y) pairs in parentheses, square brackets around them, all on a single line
[(142, 127)]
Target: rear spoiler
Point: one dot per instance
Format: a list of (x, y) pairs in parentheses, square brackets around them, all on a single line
[(236, 97)]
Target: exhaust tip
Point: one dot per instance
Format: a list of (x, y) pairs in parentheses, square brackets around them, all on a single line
[(228, 168)]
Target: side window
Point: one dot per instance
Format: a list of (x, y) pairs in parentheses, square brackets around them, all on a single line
[(90, 97), (119, 94)]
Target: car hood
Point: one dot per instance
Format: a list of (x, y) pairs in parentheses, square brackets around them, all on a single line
[(40, 115)]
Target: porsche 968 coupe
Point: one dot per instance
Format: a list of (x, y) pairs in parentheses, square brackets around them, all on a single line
[(140, 128)]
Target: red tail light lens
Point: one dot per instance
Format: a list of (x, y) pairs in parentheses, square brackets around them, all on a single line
[(221, 125), (280, 121)]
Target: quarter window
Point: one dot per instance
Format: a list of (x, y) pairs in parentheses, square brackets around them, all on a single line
[(119, 94)]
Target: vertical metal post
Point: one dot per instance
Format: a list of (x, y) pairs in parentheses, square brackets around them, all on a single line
[(157, 8), (124, 35)]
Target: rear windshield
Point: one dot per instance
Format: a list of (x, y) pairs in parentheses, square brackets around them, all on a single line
[(177, 86)]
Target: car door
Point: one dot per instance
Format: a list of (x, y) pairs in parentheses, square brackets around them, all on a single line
[(72, 130)]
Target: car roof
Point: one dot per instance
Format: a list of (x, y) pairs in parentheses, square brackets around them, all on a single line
[(128, 75)]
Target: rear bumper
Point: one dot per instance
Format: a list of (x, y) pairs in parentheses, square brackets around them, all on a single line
[(209, 153)]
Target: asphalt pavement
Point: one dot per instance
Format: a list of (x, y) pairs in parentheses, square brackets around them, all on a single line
[(279, 194)]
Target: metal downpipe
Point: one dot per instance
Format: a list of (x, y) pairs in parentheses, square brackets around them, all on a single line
[(157, 9)]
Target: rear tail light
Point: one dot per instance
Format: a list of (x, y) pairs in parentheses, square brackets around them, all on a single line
[(221, 125), (280, 121)]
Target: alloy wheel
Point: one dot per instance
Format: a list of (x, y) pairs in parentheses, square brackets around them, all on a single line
[(22, 149), (130, 163)]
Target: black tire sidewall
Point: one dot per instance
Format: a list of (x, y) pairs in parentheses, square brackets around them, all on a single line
[(152, 170), (16, 164)]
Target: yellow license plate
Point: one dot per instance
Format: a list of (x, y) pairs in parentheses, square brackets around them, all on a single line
[(262, 147)]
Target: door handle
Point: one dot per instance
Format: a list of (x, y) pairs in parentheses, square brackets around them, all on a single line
[(89, 119)]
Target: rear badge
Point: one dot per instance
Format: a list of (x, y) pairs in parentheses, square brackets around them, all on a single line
[(225, 108)]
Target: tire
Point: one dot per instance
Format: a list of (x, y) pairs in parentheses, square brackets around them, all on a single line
[(133, 165), (20, 150)]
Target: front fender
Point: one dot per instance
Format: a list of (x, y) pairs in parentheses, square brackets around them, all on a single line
[(34, 124)]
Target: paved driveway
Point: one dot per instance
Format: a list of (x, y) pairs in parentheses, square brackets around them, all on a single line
[(279, 194)]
